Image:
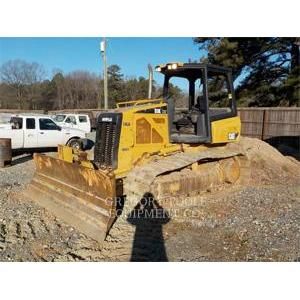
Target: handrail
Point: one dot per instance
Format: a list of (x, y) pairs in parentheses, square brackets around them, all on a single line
[(138, 102)]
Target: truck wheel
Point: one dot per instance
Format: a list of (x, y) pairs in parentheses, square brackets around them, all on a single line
[(76, 144)]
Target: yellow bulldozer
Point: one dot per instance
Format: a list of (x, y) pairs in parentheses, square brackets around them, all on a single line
[(146, 147)]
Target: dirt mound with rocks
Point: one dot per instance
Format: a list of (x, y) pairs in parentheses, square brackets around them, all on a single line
[(265, 164)]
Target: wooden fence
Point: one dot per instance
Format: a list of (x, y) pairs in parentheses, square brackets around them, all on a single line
[(268, 122)]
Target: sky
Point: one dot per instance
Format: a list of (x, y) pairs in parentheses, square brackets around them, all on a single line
[(69, 54)]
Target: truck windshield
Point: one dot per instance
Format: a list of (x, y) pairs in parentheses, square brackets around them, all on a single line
[(59, 118)]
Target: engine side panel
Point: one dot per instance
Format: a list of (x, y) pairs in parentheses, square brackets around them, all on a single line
[(142, 134), (226, 130)]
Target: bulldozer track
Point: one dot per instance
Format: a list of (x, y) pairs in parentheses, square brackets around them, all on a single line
[(140, 180)]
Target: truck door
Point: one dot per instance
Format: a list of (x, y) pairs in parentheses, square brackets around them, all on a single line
[(84, 123), (16, 133), (49, 133), (70, 121), (30, 133)]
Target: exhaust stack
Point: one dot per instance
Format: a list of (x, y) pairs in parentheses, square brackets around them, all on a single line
[(150, 78)]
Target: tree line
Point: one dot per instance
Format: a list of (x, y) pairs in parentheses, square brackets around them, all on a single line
[(24, 86)]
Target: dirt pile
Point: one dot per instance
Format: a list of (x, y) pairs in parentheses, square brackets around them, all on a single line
[(266, 165)]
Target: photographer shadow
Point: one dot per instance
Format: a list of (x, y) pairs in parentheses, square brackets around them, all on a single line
[(148, 244)]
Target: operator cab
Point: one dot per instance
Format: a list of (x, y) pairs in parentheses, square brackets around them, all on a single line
[(208, 95)]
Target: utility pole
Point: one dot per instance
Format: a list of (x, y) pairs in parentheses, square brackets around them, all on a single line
[(103, 53), (150, 69)]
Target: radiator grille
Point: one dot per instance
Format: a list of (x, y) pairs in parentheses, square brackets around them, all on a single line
[(107, 141)]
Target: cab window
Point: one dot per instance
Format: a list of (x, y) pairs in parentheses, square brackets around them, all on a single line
[(179, 91), (17, 123), (30, 123), (71, 120), (47, 124), (82, 119), (220, 100), (59, 118)]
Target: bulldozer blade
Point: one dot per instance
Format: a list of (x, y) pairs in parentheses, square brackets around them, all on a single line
[(82, 197)]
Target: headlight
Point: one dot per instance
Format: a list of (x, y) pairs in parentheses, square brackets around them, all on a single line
[(174, 66), (169, 67)]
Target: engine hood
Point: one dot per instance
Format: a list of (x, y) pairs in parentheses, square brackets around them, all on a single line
[(77, 131)]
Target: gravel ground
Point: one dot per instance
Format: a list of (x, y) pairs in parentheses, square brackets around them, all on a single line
[(257, 222)]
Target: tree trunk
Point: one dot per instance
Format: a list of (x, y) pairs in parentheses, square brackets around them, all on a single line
[(19, 97)]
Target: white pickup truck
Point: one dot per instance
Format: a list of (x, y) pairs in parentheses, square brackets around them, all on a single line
[(39, 131), (79, 121)]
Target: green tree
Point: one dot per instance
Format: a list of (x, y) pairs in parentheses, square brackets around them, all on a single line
[(115, 85), (175, 92), (136, 88), (267, 69)]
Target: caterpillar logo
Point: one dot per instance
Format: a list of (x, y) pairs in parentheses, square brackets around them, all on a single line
[(232, 135), (106, 119)]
